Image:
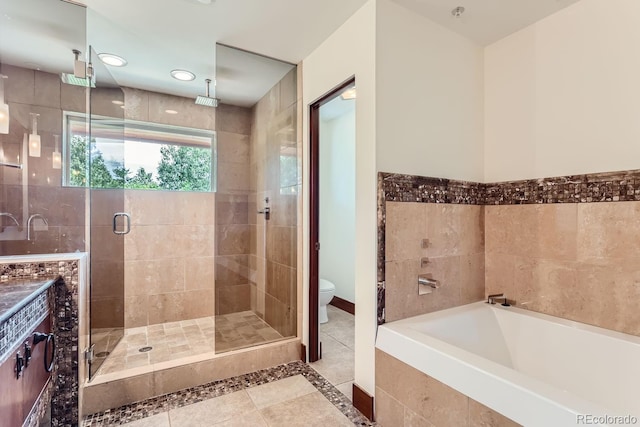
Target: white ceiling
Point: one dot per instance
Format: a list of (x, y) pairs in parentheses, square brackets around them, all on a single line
[(486, 21), (156, 36)]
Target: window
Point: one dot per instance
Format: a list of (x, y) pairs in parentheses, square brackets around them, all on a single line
[(140, 155)]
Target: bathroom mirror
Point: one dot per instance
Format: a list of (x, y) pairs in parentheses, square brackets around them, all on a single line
[(39, 215)]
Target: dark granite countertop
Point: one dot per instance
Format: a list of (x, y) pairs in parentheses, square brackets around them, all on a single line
[(16, 293)]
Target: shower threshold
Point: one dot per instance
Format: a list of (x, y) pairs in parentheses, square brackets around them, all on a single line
[(184, 341)]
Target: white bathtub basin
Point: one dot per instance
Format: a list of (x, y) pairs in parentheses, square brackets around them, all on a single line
[(536, 369)]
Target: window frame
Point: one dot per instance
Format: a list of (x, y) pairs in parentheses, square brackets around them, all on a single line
[(69, 116)]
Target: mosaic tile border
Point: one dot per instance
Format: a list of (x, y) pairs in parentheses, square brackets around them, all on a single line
[(64, 306), (587, 188), (18, 327), (157, 405)]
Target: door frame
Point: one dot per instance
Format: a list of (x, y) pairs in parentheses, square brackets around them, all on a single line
[(314, 213)]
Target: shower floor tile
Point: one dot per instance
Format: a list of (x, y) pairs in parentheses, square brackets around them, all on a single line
[(176, 340)]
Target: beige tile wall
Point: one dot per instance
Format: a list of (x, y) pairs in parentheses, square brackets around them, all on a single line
[(407, 397), (576, 261), (169, 268), (274, 242), (455, 253), (234, 290)]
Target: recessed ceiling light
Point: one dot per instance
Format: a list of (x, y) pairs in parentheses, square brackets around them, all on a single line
[(113, 60), (205, 1), (117, 102), (171, 111), (183, 75)]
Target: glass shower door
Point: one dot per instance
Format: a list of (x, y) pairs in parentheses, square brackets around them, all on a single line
[(109, 222)]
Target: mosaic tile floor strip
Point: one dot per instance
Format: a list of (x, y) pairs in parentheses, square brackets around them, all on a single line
[(169, 402)]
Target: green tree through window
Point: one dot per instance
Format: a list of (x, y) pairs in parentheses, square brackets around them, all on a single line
[(181, 168)]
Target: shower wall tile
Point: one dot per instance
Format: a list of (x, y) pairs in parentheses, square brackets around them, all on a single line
[(176, 306), (136, 311), (231, 270), (169, 256), (281, 245), (189, 114), (233, 177), (232, 299), (233, 239), (107, 279), (155, 207), (20, 84), (199, 273), (107, 312), (234, 119), (232, 209), (47, 89), (152, 277), (275, 133), (233, 147), (73, 98), (136, 104), (102, 102), (281, 282)]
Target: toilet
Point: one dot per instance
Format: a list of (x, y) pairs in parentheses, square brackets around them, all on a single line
[(327, 289)]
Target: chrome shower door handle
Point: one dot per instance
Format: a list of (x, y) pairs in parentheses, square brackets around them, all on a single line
[(127, 223)]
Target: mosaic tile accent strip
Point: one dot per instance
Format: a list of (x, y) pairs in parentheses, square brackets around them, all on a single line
[(589, 188), (422, 189), (64, 400), (157, 405), (18, 327)]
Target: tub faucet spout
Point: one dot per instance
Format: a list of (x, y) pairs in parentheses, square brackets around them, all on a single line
[(498, 298)]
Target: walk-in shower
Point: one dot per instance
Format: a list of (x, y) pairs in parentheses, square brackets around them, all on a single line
[(167, 196)]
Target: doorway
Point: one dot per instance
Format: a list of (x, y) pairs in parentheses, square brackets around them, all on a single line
[(332, 235)]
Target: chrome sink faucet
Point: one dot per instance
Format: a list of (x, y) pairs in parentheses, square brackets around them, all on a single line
[(32, 217), (8, 215)]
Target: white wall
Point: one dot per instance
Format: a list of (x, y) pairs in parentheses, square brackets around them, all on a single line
[(347, 52), (429, 97), (337, 200), (562, 96)]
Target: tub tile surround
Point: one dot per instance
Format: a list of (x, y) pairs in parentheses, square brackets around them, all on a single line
[(70, 270), (564, 246), (259, 385), (407, 397)]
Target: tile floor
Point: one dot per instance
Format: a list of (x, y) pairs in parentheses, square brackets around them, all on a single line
[(292, 394), (176, 340), (288, 402), (337, 337)]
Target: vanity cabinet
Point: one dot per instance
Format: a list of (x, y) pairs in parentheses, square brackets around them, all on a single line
[(19, 394)]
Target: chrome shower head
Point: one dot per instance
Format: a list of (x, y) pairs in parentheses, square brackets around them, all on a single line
[(80, 76), (206, 100)]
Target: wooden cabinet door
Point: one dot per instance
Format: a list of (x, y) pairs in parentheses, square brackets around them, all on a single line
[(11, 393)]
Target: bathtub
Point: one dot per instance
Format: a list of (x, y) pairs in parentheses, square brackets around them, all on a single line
[(536, 369)]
